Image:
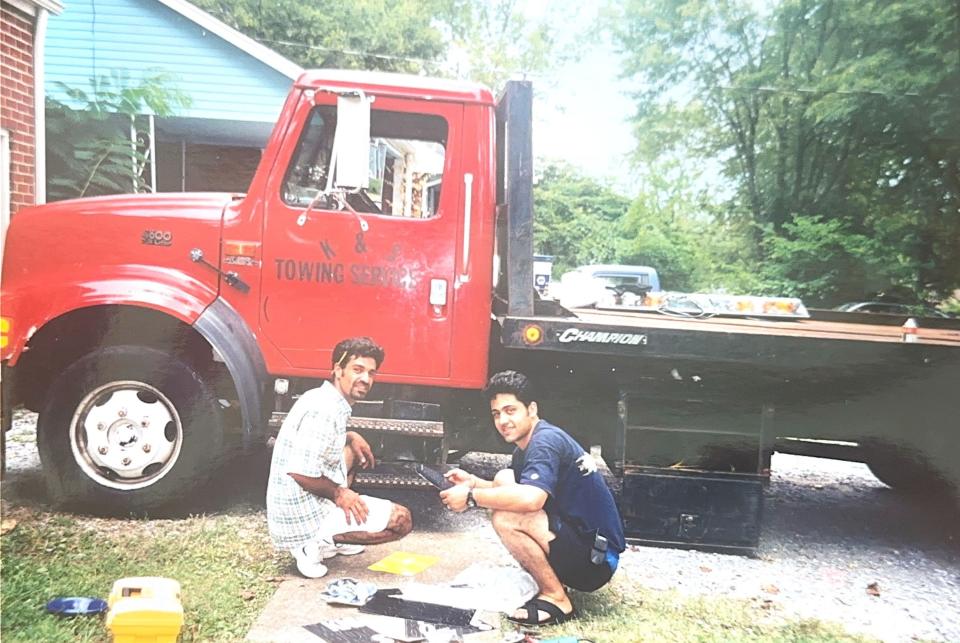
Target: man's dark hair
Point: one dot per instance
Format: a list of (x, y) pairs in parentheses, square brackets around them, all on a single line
[(508, 382), (352, 347)]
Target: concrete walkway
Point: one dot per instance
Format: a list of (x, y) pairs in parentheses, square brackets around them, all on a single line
[(458, 540)]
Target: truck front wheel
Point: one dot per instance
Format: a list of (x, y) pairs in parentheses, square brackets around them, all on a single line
[(128, 429)]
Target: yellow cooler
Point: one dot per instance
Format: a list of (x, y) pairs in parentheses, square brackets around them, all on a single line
[(145, 609)]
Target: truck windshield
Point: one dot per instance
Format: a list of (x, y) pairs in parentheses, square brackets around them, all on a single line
[(406, 163)]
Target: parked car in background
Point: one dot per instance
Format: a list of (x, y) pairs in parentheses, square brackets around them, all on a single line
[(891, 308), (594, 283)]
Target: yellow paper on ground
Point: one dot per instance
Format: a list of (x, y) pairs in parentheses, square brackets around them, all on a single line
[(403, 563)]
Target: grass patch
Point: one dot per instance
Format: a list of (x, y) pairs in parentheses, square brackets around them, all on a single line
[(227, 569), (225, 565), (626, 612)]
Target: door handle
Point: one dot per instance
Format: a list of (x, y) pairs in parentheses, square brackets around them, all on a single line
[(467, 212)]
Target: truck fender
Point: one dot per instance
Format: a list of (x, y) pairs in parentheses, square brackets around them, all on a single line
[(172, 292), (226, 331)]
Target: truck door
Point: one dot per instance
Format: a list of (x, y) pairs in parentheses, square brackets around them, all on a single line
[(384, 269)]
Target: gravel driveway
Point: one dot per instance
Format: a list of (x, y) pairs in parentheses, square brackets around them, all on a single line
[(836, 545)]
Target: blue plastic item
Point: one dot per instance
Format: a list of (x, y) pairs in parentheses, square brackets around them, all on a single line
[(76, 606)]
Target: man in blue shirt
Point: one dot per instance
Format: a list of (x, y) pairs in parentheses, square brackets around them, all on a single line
[(552, 509)]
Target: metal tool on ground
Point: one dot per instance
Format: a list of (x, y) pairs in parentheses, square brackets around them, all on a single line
[(432, 476), (391, 603)]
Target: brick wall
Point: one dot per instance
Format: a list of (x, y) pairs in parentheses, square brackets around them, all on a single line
[(16, 101)]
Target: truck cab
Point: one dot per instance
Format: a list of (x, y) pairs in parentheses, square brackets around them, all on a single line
[(405, 256), (147, 330)]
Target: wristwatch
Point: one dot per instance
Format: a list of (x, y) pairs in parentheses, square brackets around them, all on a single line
[(471, 503)]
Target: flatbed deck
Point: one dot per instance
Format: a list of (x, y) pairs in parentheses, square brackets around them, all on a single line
[(747, 339), (814, 328)]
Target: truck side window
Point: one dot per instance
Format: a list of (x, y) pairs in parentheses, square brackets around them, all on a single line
[(406, 163)]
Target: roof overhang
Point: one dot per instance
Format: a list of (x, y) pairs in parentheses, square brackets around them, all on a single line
[(209, 131), (30, 6)]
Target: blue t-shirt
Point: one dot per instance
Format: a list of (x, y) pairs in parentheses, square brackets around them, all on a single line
[(554, 462)]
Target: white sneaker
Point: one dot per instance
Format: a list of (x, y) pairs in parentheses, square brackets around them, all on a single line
[(331, 549), (309, 562)]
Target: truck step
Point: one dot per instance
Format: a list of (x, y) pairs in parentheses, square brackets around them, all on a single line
[(391, 480), (414, 428), (419, 428)]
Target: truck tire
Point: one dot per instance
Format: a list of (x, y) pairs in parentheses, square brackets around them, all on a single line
[(128, 429), (906, 471)]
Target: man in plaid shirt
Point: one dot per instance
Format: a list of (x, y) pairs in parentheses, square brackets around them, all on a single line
[(311, 510)]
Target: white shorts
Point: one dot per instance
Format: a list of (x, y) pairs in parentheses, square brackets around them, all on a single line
[(378, 515)]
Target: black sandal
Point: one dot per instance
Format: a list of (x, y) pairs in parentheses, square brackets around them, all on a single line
[(536, 605)]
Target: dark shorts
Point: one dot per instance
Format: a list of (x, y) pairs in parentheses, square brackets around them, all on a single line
[(570, 558)]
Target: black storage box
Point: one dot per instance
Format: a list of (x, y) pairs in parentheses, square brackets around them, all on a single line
[(698, 509)]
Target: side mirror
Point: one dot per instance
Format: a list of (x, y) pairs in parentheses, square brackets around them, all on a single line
[(350, 161)]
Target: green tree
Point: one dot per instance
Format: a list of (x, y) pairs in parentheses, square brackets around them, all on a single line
[(492, 41), (819, 259), (575, 218), (97, 141), (487, 41), (821, 111), (387, 35), (680, 230)]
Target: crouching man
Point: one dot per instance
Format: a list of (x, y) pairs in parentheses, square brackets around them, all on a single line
[(552, 509), (311, 510)]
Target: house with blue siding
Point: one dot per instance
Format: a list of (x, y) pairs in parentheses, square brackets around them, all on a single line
[(236, 86)]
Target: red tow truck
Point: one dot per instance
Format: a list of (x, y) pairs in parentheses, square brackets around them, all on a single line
[(156, 334)]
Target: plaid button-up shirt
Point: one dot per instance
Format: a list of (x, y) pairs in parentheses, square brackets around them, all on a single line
[(311, 443)]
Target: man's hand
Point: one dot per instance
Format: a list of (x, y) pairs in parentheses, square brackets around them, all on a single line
[(362, 453), (352, 504), (455, 498), (459, 477)]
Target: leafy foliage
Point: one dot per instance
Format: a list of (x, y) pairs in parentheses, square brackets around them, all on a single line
[(575, 218), (95, 140), (493, 40), (487, 41), (683, 232), (818, 258), (388, 35), (829, 119)]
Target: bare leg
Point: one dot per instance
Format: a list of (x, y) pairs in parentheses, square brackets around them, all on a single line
[(399, 525), (527, 537)]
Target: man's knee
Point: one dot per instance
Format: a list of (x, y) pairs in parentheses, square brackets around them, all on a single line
[(401, 521), (505, 520), (504, 477)]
